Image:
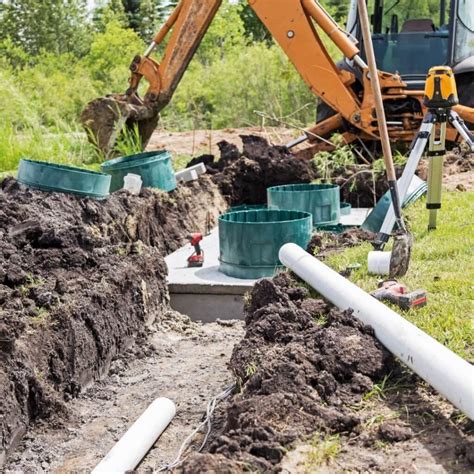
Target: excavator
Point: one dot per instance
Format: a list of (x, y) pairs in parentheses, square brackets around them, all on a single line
[(343, 88)]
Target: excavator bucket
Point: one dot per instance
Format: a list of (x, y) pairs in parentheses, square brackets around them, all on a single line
[(106, 118)]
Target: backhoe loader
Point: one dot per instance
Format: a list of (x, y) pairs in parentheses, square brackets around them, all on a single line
[(296, 25)]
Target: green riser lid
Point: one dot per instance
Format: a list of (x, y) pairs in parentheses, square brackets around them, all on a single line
[(321, 200), (250, 240), (52, 177), (154, 167)]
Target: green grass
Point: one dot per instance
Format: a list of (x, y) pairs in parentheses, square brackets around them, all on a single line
[(323, 450), (442, 263), (70, 148), (180, 161)]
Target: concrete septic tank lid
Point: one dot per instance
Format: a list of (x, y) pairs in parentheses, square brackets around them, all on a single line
[(205, 293)]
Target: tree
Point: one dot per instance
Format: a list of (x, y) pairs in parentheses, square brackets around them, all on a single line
[(132, 11), (165, 8), (56, 26), (107, 12), (338, 10), (150, 19), (255, 30)]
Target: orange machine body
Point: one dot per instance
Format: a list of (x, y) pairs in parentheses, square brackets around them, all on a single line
[(296, 25)]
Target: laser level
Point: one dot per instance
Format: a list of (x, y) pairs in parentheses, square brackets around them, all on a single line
[(439, 97), (440, 88)]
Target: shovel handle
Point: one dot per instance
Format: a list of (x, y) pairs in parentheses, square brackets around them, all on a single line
[(374, 80)]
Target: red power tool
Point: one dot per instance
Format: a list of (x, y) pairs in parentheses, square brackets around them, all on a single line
[(395, 292), (197, 258)]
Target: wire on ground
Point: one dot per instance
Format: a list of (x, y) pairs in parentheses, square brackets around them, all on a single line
[(207, 421)]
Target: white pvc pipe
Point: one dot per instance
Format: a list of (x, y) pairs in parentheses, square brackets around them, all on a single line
[(137, 441), (378, 263), (446, 372)]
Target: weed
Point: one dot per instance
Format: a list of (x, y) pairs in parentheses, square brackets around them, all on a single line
[(40, 144), (378, 166), (250, 369), (460, 419), (129, 141), (39, 374), (328, 162), (382, 445), (323, 450), (377, 420), (378, 390), (320, 319), (247, 300), (121, 251), (40, 317), (31, 282)]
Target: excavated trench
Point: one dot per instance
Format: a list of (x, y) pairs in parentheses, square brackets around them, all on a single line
[(80, 280), (85, 323)]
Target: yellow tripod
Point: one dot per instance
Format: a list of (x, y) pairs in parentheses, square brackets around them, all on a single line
[(440, 97)]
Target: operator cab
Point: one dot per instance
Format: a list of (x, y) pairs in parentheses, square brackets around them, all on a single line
[(411, 36)]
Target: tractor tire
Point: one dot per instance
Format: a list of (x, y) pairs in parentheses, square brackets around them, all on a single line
[(465, 84)]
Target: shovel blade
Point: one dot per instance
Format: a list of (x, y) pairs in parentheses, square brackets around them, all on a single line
[(401, 254)]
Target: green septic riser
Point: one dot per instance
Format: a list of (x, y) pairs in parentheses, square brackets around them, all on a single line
[(154, 167), (63, 179), (375, 219), (321, 200), (250, 240), (248, 207)]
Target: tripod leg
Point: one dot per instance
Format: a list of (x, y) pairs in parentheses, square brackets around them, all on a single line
[(435, 178), (458, 123), (416, 152), (436, 152)]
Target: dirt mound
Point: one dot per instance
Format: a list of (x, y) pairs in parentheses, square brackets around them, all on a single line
[(79, 281), (243, 178), (301, 365), (324, 243)]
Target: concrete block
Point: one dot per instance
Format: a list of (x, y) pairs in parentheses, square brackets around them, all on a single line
[(204, 293), (192, 173)]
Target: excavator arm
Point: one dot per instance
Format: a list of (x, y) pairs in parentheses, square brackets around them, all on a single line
[(295, 25), (189, 23), (291, 23)]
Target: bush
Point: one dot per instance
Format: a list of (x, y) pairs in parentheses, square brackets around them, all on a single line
[(110, 56), (226, 93), (229, 78)]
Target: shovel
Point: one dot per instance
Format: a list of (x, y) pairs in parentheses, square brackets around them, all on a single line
[(401, 251)]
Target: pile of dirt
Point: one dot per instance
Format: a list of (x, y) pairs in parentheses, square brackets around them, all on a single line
[(360, 185), (458, 170), (324, 243), (80, 280), (243, 177), (301, 366)]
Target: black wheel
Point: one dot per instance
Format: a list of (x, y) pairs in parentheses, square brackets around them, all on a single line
[(465, 84)]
